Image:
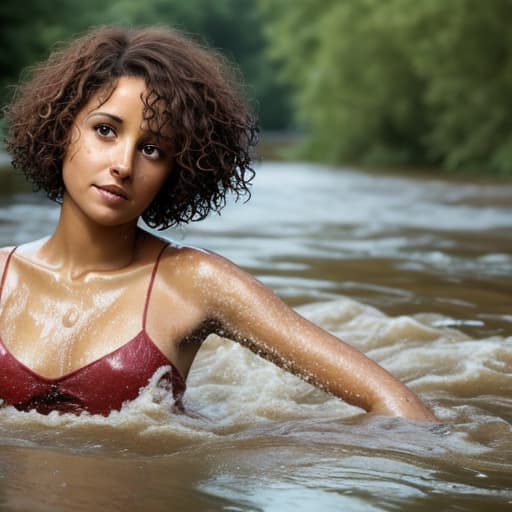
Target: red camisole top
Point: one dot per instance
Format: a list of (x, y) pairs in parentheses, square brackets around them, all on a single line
[(99, 387)]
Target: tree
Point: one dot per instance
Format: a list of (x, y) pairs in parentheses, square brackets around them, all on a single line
[(232, 26), (25, 39), (398, 82)]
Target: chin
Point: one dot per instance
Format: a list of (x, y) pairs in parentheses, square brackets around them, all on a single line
[(114, 221)]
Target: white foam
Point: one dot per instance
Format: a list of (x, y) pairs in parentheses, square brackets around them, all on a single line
[(231, 390)]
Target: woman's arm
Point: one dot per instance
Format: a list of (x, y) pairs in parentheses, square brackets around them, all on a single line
[(255, 317)]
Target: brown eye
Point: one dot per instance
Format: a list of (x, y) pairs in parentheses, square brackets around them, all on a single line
[(104, 130), (151, 151)]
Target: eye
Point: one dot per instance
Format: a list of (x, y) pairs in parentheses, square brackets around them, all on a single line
[(105, 131), (151, 151)]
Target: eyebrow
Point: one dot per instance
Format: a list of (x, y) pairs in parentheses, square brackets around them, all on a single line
[(106, 114)]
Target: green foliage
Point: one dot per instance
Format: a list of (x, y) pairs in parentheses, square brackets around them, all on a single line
[(399, 82), (30, 28)]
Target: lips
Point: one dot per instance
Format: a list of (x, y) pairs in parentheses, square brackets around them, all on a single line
[(114, 190)]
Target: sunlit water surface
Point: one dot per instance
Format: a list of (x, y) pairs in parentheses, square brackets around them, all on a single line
[(415, 272)]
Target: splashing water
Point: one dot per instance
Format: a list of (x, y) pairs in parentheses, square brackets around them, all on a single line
[(417, 273)]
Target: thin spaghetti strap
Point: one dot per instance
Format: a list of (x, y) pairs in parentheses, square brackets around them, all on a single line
[(150, 287), (4, 273)]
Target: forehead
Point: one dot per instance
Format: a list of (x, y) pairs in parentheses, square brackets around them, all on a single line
[(126, 93), (129, 97)]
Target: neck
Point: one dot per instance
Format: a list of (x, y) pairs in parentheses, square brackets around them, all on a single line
[(80, 246)]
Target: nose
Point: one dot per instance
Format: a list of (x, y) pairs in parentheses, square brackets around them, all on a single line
[(120, 170), (122, 161)]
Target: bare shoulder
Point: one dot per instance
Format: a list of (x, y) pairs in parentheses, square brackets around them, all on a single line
[(200, 264), (206, 277), (220, 288)]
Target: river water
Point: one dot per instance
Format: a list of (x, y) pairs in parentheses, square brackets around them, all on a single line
[(416, 272)]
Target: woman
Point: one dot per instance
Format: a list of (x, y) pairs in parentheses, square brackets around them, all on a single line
[(129, 123)]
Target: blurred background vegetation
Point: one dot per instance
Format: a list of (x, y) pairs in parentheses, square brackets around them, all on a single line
[(393, 83)]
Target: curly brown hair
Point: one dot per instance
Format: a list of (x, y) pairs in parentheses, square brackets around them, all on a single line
[(191, 90)]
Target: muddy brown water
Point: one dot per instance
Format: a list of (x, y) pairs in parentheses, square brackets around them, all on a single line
[(414, 271)]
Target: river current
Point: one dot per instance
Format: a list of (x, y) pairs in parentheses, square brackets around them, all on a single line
[(414, 271)]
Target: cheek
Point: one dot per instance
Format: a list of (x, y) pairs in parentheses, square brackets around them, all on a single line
[(155, 179), (74, 145), (75, 167), (83, 155)]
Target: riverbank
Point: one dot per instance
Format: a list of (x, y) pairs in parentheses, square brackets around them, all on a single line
[(278, 146)]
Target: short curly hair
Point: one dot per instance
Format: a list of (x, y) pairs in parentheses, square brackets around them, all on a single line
[(191, 89)]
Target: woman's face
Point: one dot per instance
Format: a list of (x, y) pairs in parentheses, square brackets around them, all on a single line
[(114, 166)]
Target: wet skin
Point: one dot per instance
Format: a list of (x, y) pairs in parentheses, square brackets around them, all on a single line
[(79, 294)]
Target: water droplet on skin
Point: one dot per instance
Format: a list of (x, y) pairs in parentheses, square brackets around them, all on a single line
[(70, 317)]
